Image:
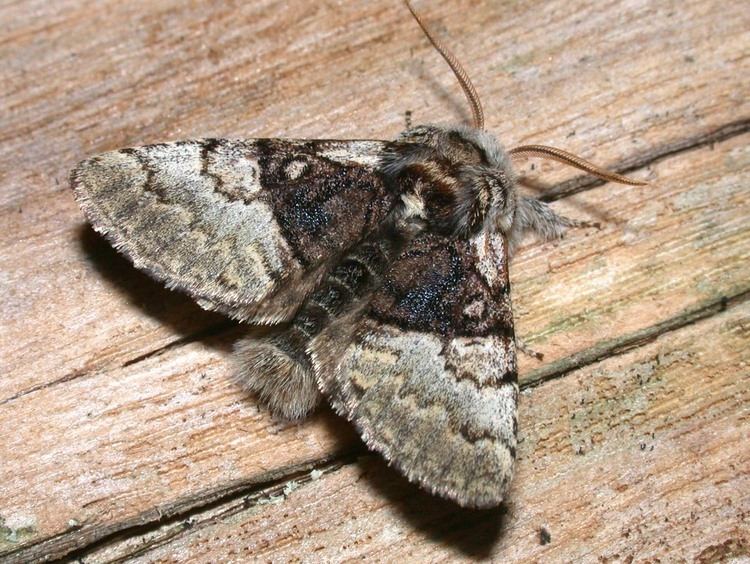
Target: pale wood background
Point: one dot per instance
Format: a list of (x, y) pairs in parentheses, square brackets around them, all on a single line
[(122, 435)]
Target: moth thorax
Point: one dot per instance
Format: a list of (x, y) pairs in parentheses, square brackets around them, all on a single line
[(457, 199), (458, 180)]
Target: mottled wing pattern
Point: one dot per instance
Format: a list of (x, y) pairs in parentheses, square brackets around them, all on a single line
[(246, 227), (427, 372)]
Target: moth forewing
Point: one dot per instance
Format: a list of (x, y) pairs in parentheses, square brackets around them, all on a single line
[(429, 375), (236, 223)]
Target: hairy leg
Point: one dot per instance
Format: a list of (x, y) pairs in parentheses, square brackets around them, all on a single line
[(534, 216), (527, 350)]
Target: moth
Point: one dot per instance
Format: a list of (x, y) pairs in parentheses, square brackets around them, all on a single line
[(385, 263)]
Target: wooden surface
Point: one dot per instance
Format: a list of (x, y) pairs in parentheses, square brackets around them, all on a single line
[(122, 434)]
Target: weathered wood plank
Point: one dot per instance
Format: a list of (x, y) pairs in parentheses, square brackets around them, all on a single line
[(85, 78), (641, 457), (167, 70)]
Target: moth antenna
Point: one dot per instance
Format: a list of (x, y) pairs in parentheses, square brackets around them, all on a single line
[(458, 70), (564, 157)]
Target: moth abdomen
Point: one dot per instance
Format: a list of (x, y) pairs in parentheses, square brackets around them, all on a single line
[(279, 370), (350, 281)]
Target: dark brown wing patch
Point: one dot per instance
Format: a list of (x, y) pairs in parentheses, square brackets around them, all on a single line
[(435, 287), (323, 206)]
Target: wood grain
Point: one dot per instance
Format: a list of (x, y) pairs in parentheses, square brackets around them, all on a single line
[(116, 403)]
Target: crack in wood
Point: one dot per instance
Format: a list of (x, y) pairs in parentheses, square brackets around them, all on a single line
[(159, 533), (625, 343), (211, 331), (67, 378), (246, 494)]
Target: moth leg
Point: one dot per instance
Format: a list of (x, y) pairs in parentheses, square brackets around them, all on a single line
[(579, 223), (279, 369), (407, 119), (534, 216), (527, 350)]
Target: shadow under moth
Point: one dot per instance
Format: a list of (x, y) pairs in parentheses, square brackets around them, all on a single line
[(385, 261)]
